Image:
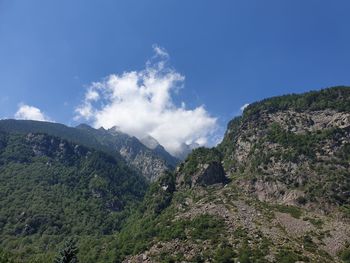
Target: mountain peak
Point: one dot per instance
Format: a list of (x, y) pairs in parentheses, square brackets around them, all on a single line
[(149, 142)]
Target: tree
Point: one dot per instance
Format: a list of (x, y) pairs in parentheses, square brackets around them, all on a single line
[(4, 257), (69, 253)]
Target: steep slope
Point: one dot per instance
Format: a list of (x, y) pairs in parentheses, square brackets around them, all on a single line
[(283, 196), (150, 163), (294, 149), (154, 145), (51, 189)]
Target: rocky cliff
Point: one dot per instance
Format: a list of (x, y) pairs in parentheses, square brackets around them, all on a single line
[(148, 161), (293, 149), (275, 190)]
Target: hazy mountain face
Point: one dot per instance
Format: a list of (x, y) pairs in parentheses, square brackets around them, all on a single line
[(151, 163), (150, 142)]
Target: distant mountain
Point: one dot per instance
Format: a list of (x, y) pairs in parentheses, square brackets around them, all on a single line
[(181, 154), (185, 150), (150, 142), (149, 162)]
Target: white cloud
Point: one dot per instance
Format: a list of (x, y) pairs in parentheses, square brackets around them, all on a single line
[(159, 51), (244, 106), (141, 103), (26, 112)]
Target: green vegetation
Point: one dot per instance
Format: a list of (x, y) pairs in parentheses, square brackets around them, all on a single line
[(198, 156), (336, 98), (206, 227), (309, 244), (54, 129), (292, 210), (140, 233), (224, 254), (109, 142), (227, 146), (288, 256), (344, 154), (315, 221), (345, 255), (6, 257), (51, 189), (68, 254), (299, 144)]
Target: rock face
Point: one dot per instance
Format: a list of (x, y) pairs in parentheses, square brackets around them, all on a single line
[(148, 163), (207, 174), (288, 198), (202, 168), (151, 163), (293, 149)]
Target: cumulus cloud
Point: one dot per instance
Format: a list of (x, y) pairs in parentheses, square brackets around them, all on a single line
[(141, 103), (244, 106), (26, 112)]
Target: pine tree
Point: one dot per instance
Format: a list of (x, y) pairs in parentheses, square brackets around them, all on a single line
[(69, 253)]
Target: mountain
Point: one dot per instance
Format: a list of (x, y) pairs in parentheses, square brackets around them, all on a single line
[(275, 190), (149, 162), (185, 150), (150, 142), (51, 188), (293, 149)]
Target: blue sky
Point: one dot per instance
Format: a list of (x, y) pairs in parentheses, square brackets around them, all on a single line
[(230, 52)]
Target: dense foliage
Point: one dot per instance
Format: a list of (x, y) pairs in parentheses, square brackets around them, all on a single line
[(336, 98), (55, 129), (147, 227), (51, 189), (69, 252), (198, 156)]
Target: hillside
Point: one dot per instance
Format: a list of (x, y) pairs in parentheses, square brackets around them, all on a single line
[(275, 190), (293, 149), (148, 162), (51, 188)]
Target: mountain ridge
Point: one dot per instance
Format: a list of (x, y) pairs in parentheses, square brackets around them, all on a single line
[(150, 163)]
